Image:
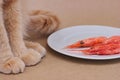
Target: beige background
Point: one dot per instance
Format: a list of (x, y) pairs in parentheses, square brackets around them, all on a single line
[(56, 66)]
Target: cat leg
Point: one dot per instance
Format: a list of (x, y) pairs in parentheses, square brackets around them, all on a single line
[(8, 63), (13, 23), (41, 23), (36, 46)]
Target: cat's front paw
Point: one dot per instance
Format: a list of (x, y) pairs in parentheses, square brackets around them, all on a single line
[(30, 58), (12, 65), (37, 47)]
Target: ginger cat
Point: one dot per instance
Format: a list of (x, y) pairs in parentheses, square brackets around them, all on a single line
[(15, 52)]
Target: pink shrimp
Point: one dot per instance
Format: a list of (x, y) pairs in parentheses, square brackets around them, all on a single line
[(87, 42)]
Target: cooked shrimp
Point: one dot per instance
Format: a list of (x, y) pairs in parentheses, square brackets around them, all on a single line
[(98, 45), (103, 49), (113, 39), (87, 42)]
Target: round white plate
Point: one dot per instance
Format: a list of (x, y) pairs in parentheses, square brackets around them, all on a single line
[(59, 39)]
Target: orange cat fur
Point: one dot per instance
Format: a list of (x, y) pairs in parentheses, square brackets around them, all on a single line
[(15, 52)]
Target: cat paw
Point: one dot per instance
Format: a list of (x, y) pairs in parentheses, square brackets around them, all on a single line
[(32, 57), (37, 47), (12, 65), (42, 23)]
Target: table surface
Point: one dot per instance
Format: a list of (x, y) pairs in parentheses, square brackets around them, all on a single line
[(56, 66)]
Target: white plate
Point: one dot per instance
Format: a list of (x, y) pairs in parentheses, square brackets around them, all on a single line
[(58, 40)]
